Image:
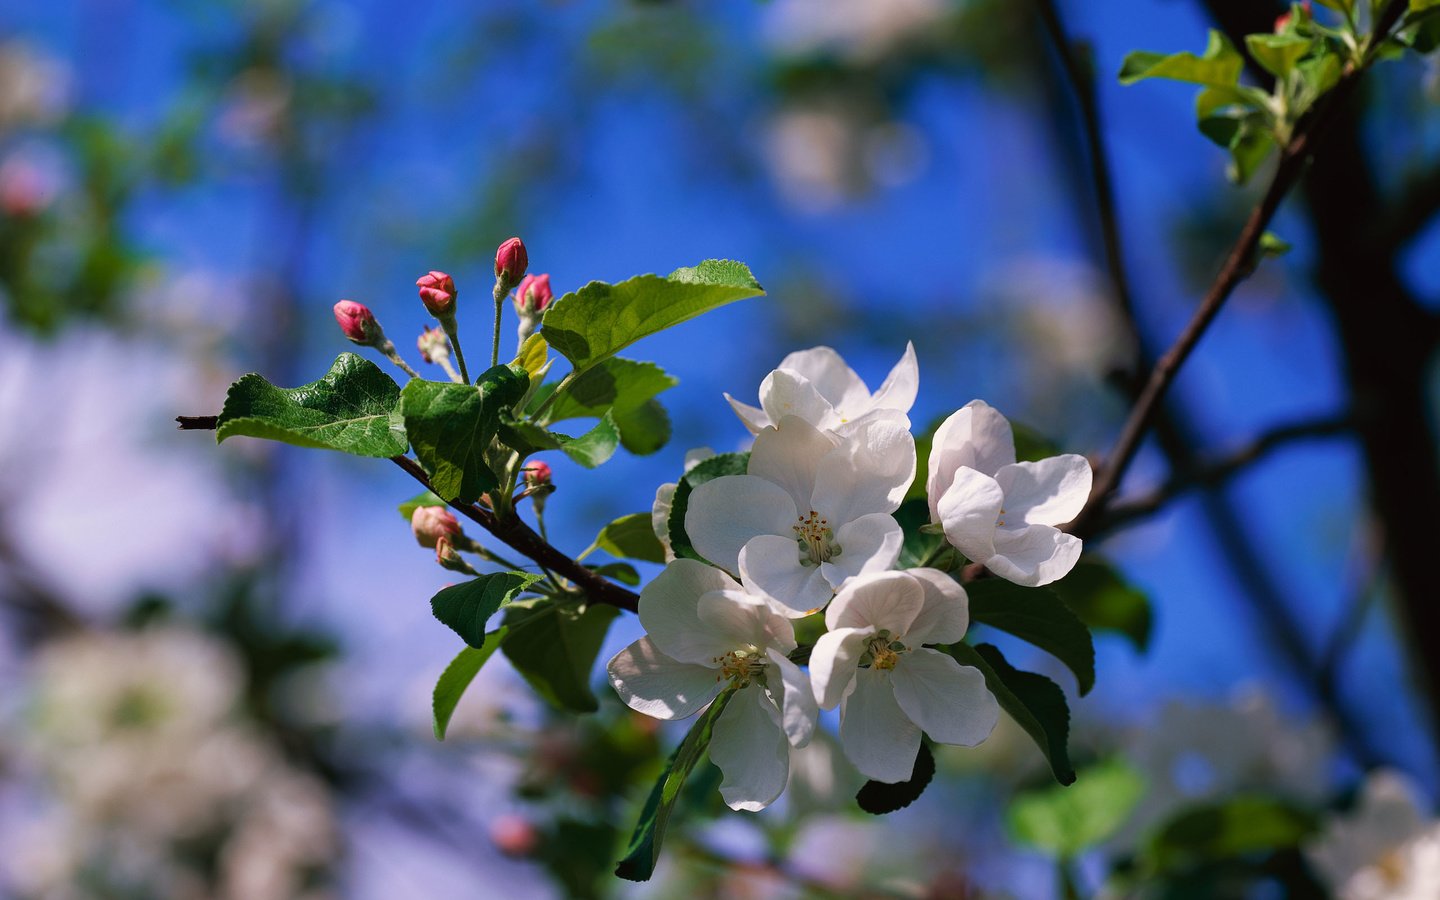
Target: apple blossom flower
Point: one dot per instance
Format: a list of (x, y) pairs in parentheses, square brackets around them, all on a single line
[(430, 523), (533, 295), (358, 323), (665, 500), (511, 261), (889, 686), (706, 634), (1385, 849), (813, 509), (820, 388), (437, 292), (1001, 513)]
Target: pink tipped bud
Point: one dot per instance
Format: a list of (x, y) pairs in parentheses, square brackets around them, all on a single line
[(514, 835), (1284, 18), (447, 556), (537, 474), (431, 523), (358, 323), (433, 345), (534, 295), (511, 261), (437, 292)]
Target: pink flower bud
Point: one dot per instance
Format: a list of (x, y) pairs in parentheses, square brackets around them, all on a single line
[(358, 323), (1284, 18), (431, 523), (437, 292), (433, 345), (533, 295), (537, 474), (446, 554), (514, 835), (511, 261)]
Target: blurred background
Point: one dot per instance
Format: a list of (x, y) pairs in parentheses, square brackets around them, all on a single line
[(217, 662)]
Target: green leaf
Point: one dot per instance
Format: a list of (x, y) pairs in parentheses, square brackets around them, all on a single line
[(533, 355), (1038, 616), (1278, 53), (594, 323), (1271, 244), (424, 498), (1035, 703), (644, 429), (621, 384), (619, 571), (879, 798), (917, 545), (557, 648), (631, 537), (590, 449), (1250, 147), (715, 467), (352, 409), (1234, 827), (1103, 600), (1065, 822), (451, 427), (1220, 66), (466, 607), (644, 848), (457, 677)]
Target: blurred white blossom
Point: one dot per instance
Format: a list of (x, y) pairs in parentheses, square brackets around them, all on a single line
[(1387, 848), (859, 30)]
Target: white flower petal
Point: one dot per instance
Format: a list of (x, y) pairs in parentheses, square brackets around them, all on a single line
[(787, 454), (749, 745), (654, 684), (668, 609), (1033, 555), (724, 513), (876, 734), (946, 614), (975, 436), (899, 388), (868, 473), (735, 619), (883, 600), (832, 662), (797, 699), (660, 516), (832, 378), (949, 701), (1051, 491), (969, 512), (786, 393), (868, 544), (770, 566), (754, 417)]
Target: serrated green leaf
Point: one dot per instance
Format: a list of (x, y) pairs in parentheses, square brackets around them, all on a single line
[(880, 798), (1037, 616), (467, 606), (424, 498), (1248, 150), (631, 537), (452, 425), (1277, 53), (621, 384), (714, 467), (1231, 828), (644, 429), (1103, 600), (1035, 703), (1220, 65), (352, 409), (643, 850), (457, 677), (1066, 821), (590, 449), (533, 355), (556, 650), (594, 323)]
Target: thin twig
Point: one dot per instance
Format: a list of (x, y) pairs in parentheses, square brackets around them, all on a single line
[(1216, 472)]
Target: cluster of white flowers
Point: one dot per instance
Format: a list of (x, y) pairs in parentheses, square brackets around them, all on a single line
[(1387, 848), (810, 527)]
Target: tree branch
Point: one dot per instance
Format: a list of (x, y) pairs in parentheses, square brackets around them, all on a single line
[(1214, 473)]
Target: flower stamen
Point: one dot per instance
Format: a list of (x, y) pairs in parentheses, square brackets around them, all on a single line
[(815, 539)]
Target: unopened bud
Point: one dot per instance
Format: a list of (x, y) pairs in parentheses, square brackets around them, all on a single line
[(358, 323), (1284, 18), (514, 835), (448, 557), (437, 292), (534, 295), (537, 475), (433, 345), (430, 523), (511, 261)]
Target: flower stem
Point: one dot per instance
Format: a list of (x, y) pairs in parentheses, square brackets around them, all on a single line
[(495, 341), (388, 348), (453, 334)]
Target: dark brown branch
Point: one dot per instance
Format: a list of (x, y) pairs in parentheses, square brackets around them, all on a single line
[(1216, 472), (523, 539), (1237, 267), (197, 423)]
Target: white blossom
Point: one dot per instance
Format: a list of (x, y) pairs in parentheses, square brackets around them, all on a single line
[(817, 386), (665, 500), (1000, 512), (704, 634), (813, 510), (1385, 849), (890, 687)]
